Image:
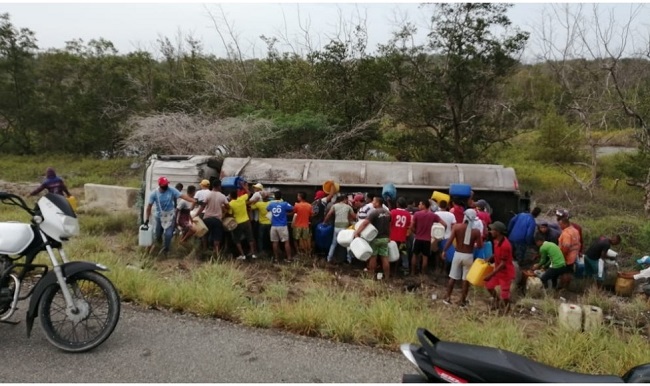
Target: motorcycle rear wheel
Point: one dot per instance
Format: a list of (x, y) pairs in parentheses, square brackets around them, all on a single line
[(100, 302)]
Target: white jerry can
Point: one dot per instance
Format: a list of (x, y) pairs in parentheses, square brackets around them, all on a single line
[(145, 236), (393, 252), (368, 233), (593, 317), (570, 316)]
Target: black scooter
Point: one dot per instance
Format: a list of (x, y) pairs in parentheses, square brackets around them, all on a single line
[(449, 362)]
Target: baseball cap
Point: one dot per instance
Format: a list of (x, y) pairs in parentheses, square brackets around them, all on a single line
[(498, 226), (258, 186), (320, 194), (205, 183), (163, 181), (481, 204), (358, 197), (562, 213)]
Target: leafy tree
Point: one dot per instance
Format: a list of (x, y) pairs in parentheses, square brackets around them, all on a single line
[(449, 86)]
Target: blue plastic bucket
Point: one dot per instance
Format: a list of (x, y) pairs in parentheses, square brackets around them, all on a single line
[(230, 183), (324, 235), (390, 191)]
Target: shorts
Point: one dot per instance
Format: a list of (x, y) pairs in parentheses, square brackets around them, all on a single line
[(215, 229), (243, 231), (379, 247), (279, 234), (460, 265), (422, 247), (301, 233)]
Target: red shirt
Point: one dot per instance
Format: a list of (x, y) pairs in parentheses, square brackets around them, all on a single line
[(400, 221), (503, 253), (485, 219), (422, 222)]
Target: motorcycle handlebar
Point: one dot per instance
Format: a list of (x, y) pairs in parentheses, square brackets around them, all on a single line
[(14, 200)]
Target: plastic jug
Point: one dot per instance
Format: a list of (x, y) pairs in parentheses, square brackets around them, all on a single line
[(460, 190), (72, 200), (324, 235), (593, 317), (439, 196), (570, 316), (612, 253), (534, 286), (624, 286), (479, 270), (368, 233), (345, 237), (361, 249), (329, 185), (393, 252), (390, 191), (199, 227), (231, 183), (145, 236), (437, 231)]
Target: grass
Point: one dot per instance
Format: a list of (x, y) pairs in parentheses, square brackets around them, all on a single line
[(316, 302)]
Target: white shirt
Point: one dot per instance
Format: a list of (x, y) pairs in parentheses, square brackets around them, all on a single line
[(200, 195), (448, 218), (363, 212)]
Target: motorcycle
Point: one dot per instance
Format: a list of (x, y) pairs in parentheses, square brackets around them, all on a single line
[(449, 362), (78, 307)]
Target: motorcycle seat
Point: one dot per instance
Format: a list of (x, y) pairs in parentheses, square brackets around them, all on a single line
[(500, 366)]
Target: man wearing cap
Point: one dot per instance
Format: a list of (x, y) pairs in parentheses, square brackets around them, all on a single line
[(164, 198), (203, 192), (466, 237), (504, 268), (563, 213), (549, 233)]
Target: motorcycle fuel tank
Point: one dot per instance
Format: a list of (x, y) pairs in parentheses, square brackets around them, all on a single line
[(14, 237)]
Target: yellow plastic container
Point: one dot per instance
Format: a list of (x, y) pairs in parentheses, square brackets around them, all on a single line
[(624, 286), (73, 202), (479, 270), (329, 185), (439, 196), (570, 316), (593, 317)]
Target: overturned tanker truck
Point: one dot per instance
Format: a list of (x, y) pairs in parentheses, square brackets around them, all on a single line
[(414, 180)]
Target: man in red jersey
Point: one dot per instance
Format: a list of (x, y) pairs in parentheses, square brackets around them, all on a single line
[(400, 222)]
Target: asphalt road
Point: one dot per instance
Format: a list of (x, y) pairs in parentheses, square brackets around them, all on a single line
[(153, 346)]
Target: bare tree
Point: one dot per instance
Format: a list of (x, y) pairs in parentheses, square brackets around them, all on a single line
[(584, 51)]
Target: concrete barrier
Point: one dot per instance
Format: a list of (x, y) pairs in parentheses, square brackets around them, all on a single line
[(110, 197)]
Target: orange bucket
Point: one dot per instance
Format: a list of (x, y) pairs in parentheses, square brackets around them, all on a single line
[(329, 185)]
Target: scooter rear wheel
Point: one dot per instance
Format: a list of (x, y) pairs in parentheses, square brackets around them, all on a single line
[(98, 306)]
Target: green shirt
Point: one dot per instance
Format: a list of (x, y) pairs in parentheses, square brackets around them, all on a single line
[(551, 254)]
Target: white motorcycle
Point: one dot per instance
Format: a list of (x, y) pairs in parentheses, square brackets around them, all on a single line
[(78, 307)]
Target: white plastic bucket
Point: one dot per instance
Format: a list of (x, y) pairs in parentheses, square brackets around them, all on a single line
[(361, 249), (393, 252), (612, 253), (345, 237), (145, 236), (437, 231), (570, 316), (369, 232)]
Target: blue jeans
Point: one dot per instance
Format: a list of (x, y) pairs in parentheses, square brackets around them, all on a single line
[(168, 233), (330, 254)]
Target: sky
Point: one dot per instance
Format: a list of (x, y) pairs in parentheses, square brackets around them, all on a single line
[(133, 26)]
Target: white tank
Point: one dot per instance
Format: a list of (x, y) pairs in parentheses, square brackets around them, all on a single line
[(361, 249), (145, 236), (593, 317), (393, 252), (345, 237), (14, 237), (570, 316), (534, 287), (369, 232)]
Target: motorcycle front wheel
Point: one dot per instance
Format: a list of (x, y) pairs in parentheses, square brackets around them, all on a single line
[(98, 311)]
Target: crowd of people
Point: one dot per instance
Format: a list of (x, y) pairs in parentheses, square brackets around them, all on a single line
[(251, 221)]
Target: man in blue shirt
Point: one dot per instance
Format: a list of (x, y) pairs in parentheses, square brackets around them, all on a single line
[(521, 232), (279, 210), (164, 197)]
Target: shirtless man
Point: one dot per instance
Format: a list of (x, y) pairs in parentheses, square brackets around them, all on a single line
[(466, 238)]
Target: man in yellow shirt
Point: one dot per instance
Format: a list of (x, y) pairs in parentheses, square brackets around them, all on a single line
[(244, 230), (264, 226)]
